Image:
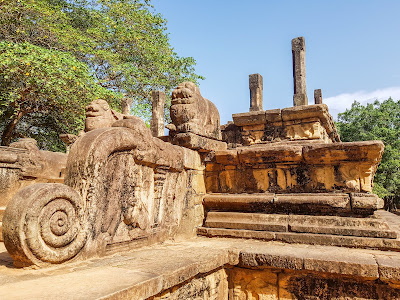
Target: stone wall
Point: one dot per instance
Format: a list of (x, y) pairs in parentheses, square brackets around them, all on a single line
[(239, 283), (271, 283), (211, 286), (322, 167)]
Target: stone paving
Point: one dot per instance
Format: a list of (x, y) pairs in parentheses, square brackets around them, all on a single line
[(145, 272)]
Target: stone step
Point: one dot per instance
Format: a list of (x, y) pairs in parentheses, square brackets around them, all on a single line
[(363, 227), (252, 221), (304, 238), (300, 203)]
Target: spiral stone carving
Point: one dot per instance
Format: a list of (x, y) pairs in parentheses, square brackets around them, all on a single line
[(45, 223)]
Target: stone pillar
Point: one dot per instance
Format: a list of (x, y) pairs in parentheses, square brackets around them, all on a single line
[(318, 96), (299, 71), (157, 118), (256, 92), (126, 106)]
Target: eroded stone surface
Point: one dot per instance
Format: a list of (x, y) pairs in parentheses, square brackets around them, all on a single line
[(293, 182), (217, 268), (23, 164), (339, 167), (317, 96), (157, 116), (127, 186), (190, 112), (256, 92), (294, 124), (299, 71)]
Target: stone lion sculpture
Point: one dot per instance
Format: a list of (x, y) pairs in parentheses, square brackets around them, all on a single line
[(191, 112)]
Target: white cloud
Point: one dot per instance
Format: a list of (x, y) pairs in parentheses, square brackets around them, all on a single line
[(340, 102)]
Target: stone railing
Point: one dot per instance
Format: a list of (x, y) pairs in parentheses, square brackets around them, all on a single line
[(122, 186)]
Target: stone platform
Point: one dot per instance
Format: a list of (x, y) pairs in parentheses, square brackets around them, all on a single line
[(214, 268)]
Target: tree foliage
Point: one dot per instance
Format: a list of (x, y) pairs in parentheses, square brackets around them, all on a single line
[(124, 42), (43, 93), (117, 47), (377, 121)]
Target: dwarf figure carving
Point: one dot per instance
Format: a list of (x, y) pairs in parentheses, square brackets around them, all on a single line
[(190, 112), (100, 115)]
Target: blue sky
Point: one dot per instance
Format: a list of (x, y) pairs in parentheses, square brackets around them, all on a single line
[(352, 48)]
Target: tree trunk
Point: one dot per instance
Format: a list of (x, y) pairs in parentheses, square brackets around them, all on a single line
[(9, 129)]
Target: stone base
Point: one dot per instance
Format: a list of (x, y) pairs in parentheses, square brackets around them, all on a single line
[(318, 219), (341, 204), (197, 142), (304, 238), (300, 99), (214, 269), (361, 227), (304, 122)]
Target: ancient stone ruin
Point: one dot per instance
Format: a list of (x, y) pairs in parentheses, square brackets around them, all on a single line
[(270, 206)]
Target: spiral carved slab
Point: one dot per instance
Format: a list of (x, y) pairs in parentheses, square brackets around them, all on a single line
[(44, 223)]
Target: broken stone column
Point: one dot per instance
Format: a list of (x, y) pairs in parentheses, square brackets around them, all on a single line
[(318, 96), (126, 106), (256, 92), (299, 71), (157, 118)]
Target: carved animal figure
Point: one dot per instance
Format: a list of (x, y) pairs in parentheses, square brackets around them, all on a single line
[(100, 115), (190, 112)]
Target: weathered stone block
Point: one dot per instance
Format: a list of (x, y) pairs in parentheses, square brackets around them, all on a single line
[(197, 142), (268, 154), (249, 118), (317, 96), (273, 115), (228, 157), (157, 117), (256, 92), (299, 71), (370, 151), (366, 201)]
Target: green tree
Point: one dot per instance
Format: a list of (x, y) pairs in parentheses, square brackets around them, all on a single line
[(43, 93), (377, 121), (124, 42)]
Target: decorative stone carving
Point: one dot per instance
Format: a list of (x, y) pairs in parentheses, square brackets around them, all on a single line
[(346, 167), (307, 131), (50, 227), (299, 123), (122, 186), (100, 115), (190, 112), (23, 164)]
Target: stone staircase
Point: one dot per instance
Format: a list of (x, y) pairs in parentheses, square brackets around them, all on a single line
[(320, 219)]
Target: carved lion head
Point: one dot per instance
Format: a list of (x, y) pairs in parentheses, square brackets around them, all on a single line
[(184, 93)]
